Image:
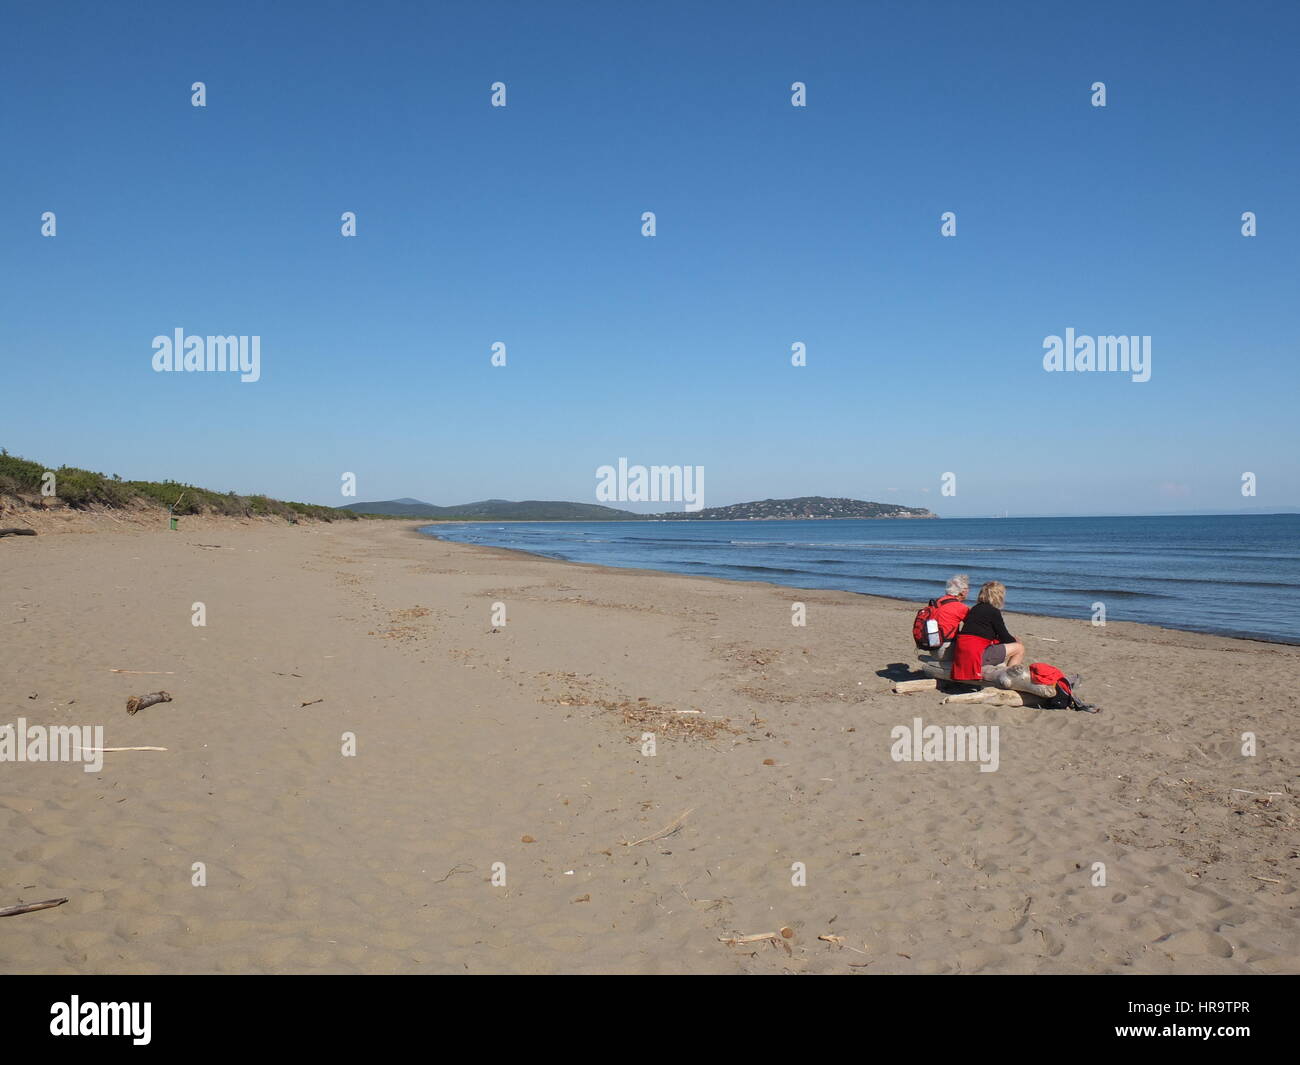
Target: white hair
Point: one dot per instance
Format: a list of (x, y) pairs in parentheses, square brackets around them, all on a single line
[(958, 585)]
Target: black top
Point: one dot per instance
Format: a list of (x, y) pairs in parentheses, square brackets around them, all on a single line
[(985, 620)]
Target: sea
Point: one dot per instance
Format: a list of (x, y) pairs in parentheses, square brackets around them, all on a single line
[(1234, 575)]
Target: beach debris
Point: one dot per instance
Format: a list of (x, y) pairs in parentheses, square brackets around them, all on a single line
[(17, 532), (31, 907), (146, 672), (663, 832), (106, 749), (639, 713), (988, 696), (758, 937), (1266, 879), (311, 702), (776, 938), (926, 684), (527, 839), (459, 867), (787, 932), (583, 898), (139, 702), (837, 940)]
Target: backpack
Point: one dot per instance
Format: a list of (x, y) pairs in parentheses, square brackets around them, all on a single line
[(1042, 673), (925, 627)]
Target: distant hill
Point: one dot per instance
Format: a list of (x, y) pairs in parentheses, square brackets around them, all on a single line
[(544, 510), (496, 510), (803, 507)]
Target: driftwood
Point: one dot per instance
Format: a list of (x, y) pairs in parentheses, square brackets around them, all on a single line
[(668, 831), (124, 748), (990, 696), (17, 532), (779, 938), (139, 702), (928, 684), (1017, 677), (31, 907), (145, 672), (761, 937)]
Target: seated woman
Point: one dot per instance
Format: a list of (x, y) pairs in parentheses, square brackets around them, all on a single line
[(984, 639)]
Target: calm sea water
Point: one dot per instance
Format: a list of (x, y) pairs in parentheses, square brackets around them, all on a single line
[(1235, 575)]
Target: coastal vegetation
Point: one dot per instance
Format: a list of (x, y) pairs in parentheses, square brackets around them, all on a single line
[(25, 481)]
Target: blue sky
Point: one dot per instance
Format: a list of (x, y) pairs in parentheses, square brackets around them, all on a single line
[(776, 224)]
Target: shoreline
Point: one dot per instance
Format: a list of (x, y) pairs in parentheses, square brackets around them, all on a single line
[(522, 743), (916, 604)]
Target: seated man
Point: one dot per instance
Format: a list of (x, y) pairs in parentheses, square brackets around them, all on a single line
[(949, 611)]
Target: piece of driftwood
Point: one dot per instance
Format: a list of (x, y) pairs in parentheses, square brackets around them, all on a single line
[(145, 672), (31, 907), (124, 748), (926, 684), (735, 941), (989, 697), (667, 831), (17, 532), (1017, 677), (139, 702)]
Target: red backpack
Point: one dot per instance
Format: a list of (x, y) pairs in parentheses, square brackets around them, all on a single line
[(1042, 673), (925, 628)]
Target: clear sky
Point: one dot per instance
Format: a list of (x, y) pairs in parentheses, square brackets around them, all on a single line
[(775, 225)]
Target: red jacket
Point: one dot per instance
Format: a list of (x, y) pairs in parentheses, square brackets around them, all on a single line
[(968, 657), (950, 612)]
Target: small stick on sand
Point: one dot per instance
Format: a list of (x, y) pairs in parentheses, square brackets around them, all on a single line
[(312, 703), (139, 702), (735, 941), (663, 831), (146, 672), (31, 907), (124, 748)]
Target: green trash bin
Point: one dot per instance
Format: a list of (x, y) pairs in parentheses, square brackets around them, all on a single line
[(171, 523)]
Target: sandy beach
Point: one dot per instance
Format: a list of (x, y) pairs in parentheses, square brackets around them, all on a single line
[(521, 744)]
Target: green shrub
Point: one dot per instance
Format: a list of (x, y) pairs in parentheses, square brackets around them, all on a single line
[(79, 488), (18, 474)]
